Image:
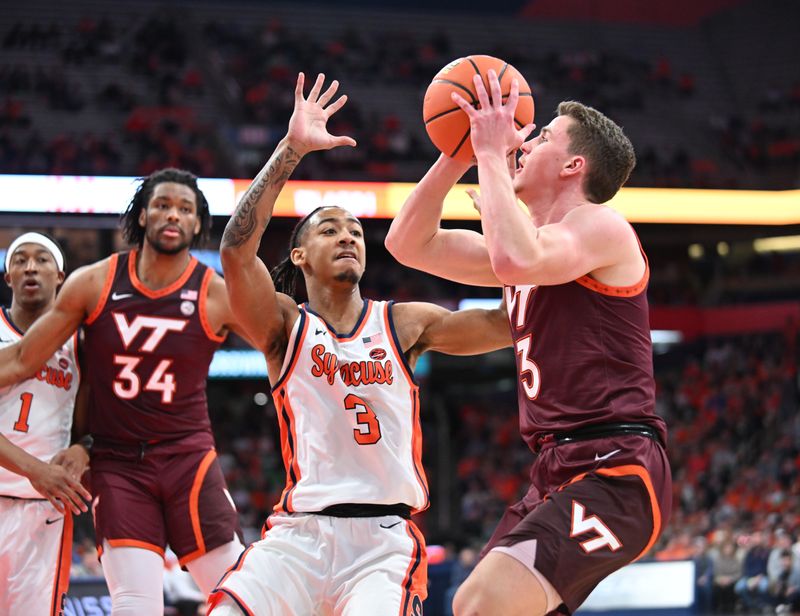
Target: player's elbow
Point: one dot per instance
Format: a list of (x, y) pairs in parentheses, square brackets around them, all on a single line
[(231, 257), (510, 270), (396, 246)]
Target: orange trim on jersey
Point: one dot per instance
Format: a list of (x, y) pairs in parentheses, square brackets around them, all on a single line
[(287, 429), (397, 352), (215, 597), (107, 284), (133, 543), (10, 325), (641, 473), (634, 289), (236, 567), (626, 471), (362, 323), (416, 578), (157, 293), (194, 506), (295, 350), (202, 301), (63, 564), (416, 447)]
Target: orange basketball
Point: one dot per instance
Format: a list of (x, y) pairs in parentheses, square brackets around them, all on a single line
[(446, 123)]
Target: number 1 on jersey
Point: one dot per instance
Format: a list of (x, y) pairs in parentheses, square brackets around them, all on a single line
[(366, 418), (22, 423)]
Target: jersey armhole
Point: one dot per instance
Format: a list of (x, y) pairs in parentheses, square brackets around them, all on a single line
[(109, 281), (295, 342), (202, 308), (629, 291), (395, 342)]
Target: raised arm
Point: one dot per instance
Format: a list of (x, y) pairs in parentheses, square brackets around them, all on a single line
[(590, 238), (80, 292), (260, 311), (415, 238)]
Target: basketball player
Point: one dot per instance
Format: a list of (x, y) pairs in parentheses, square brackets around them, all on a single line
[(574, 279), (341, 539), (35, 421), (152, 320)]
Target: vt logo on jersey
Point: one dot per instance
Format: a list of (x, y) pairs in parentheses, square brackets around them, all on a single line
[(352, 373), (159, 327)]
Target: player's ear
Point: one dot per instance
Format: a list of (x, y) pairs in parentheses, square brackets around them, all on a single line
[(197, 227), (143, 217), (7, 278), (61, 276), (298, 256), (573, 165)]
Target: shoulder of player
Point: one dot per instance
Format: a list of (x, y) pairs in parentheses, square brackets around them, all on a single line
[(411, 319), (86, 282)]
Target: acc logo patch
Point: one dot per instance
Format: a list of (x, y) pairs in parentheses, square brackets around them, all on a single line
[(378, 354)]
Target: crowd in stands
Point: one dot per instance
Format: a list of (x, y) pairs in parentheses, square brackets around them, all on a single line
[(245, 75)]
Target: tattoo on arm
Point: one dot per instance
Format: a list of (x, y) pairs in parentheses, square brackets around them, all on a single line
[(243, 223)]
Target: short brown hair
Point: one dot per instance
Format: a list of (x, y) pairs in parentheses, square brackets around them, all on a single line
[(606, 148)]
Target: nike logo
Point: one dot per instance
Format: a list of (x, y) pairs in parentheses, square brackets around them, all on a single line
[(53, 521), (390, 525), (317, 332), (116, 296), (3, 341), (597, 458)]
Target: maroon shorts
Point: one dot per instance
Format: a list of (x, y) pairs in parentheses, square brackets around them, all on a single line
[(594, 506), (149, 501)]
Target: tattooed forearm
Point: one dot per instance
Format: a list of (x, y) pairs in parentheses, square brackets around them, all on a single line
[(273, 176)]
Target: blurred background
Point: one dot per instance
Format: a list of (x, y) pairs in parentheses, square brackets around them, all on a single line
[(707, 90)]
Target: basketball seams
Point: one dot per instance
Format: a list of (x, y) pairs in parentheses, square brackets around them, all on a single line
[(443, 113), (460, 143), (461, 87)]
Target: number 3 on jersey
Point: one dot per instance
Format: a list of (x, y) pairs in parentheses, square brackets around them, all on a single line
[(366, 418), (528, 369)]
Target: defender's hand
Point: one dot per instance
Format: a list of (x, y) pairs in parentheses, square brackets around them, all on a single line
[(308, 129), (56, 484)]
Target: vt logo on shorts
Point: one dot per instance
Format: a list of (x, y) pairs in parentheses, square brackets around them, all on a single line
[(581, 525)]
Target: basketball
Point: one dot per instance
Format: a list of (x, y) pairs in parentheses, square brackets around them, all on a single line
[(447, 125)]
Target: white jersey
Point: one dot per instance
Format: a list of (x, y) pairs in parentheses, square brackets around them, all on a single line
[(36, 414), (348, 409)]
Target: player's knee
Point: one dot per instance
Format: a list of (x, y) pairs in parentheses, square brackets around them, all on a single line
[(128, 602)]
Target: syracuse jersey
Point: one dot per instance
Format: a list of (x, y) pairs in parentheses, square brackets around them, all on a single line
[(36, 414), (348, 410), (150, 353)]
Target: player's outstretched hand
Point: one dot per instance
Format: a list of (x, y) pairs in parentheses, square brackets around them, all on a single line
[(308, 129), (492, 127), (57, 485), (74, 459)]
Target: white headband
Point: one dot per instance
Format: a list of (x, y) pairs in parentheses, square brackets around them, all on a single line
[(43, 241)]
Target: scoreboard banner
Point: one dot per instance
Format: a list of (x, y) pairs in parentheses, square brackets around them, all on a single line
[(49, 194)]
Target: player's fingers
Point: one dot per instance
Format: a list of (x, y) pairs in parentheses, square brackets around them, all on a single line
[(344, 140), (298, 89), (71, 497), (337, 105), (526, 131), (317, 88), (328, 94), (494, 87), (55, 502), (480, 89), (463, 103), (513, 96)]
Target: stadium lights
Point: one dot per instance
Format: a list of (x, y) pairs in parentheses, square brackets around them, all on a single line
[(785, 243)]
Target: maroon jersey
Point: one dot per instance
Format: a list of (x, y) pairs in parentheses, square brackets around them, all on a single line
[(584, 356), (149, 353)]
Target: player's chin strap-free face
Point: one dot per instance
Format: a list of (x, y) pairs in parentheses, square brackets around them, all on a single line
[(43, 241)]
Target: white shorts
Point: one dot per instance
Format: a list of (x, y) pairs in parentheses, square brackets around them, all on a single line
[(310, 564), (35, 557)]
